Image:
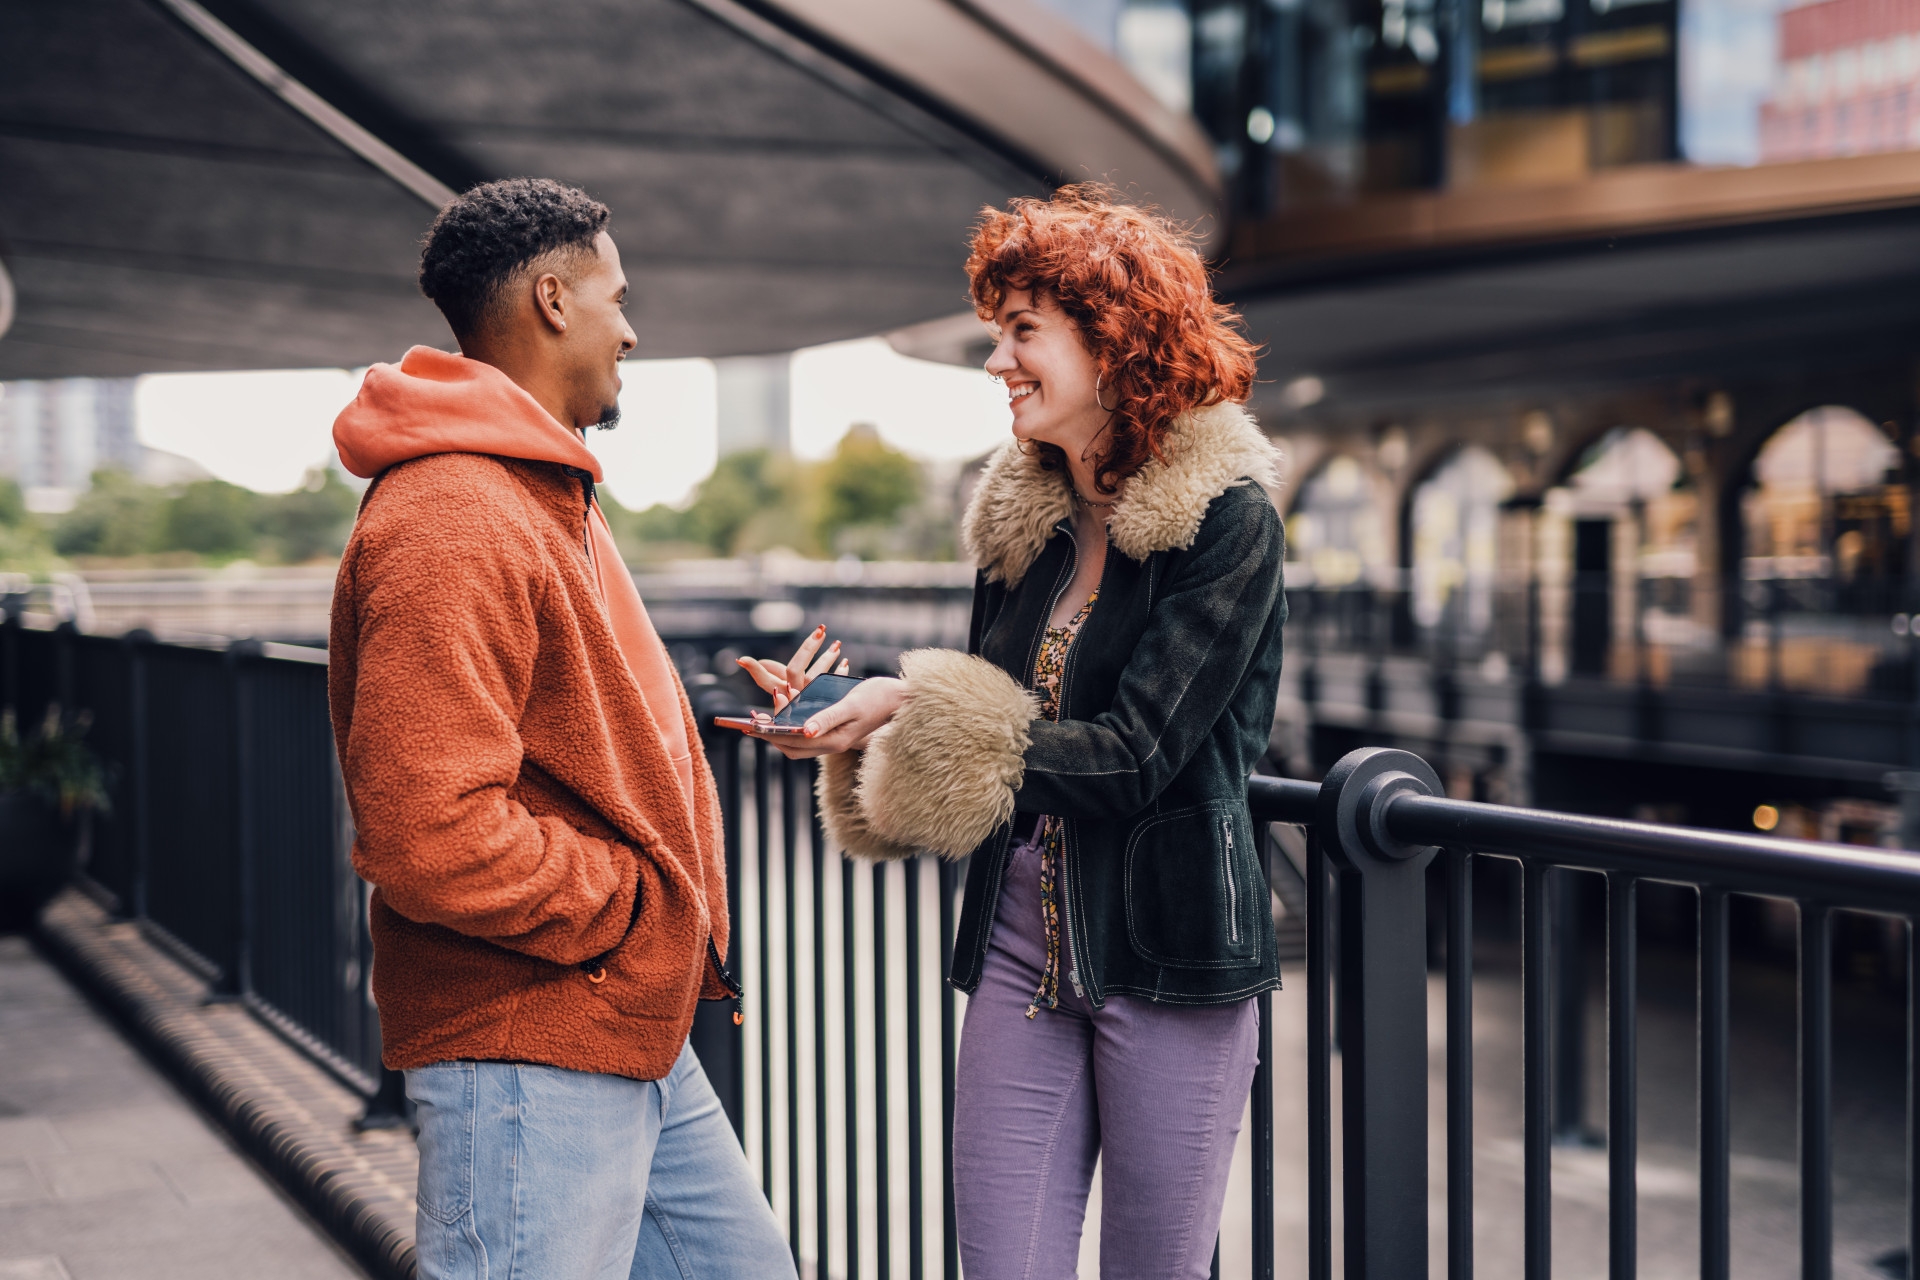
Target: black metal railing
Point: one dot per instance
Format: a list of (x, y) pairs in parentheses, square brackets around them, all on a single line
[(229, 842), (228, 838), (1375, 822)]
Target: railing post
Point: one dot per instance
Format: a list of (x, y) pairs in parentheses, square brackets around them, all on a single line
[(236, 974), (1568, 1013), (387, 1108), (138, 641), (717, 1040), (11, 607), (1383, 928)]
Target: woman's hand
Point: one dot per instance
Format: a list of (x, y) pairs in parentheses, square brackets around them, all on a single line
[(783, 680), (848, 723)]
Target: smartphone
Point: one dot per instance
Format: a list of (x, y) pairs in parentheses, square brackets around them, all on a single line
[(820, 694)]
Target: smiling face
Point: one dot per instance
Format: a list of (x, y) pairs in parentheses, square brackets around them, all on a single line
[(596, 337), (1049, 373)]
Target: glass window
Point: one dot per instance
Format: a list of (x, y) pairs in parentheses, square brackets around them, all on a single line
[(1318, 102), (1325, 101)]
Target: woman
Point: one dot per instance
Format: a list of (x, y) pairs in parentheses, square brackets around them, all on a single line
[(1091, 749)]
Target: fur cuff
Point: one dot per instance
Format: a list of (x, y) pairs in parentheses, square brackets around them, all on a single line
[(847, 828), (943, 774)]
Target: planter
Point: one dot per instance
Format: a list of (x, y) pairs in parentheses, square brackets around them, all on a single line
[(38, 851)]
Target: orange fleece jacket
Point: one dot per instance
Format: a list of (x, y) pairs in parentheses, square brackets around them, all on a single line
[(515, 743)]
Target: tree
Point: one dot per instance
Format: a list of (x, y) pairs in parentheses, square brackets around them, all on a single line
[(743, 486), (312, 521), (116, 516), (23, 543), (210, 517), (13, 505), (865, 484)]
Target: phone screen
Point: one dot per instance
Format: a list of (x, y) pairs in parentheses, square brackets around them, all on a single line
[(820, 693)]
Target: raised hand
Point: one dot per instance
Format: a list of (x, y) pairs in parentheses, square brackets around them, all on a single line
[(783, 680)]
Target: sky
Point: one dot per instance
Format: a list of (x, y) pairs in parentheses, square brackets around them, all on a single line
[(264, 430), (1728, 58)]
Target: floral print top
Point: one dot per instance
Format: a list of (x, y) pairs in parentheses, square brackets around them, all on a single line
[(1048, 668)]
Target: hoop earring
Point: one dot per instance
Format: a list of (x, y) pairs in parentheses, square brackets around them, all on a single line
[(1098, 378)]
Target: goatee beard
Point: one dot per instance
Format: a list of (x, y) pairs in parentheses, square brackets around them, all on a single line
[(609, 418)]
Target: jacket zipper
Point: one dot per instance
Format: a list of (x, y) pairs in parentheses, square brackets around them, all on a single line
[(1233, 896), (1066, 680), (1059, 588), (727, 981), (597, 968), (586, 514)]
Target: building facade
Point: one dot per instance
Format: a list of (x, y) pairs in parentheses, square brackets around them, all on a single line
[(54, 435), (1589, 330)]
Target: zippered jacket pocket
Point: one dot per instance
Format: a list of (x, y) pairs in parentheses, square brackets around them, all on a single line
[(1194, 886)]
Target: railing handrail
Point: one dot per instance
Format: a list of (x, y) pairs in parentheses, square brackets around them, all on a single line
[(1859, 876), (1814, 870), (1282, 799)]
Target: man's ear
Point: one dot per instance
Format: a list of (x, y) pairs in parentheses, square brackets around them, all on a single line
[(550, 300)]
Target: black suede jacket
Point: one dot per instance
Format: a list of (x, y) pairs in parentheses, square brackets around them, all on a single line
[(1167, 701)]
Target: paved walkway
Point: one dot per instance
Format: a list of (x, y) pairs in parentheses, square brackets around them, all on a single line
[(107, 1172)]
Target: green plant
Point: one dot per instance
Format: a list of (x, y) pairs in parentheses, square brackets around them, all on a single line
[(54, 763), (116, 516), (865, 486), (211, 518)]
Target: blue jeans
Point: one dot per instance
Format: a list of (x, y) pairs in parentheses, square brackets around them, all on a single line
[(538, 1173)]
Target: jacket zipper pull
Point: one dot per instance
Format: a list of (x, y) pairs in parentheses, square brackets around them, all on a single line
[(728, 981)]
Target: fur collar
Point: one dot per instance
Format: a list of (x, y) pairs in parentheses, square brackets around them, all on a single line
[(1018, 503)]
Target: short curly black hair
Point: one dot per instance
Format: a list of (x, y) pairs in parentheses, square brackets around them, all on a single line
[(483, 238)]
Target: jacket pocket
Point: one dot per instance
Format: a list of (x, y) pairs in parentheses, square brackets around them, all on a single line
[(1194, 888), (446, 1109)]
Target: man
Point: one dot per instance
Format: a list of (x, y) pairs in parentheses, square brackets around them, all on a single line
[(543, 839)]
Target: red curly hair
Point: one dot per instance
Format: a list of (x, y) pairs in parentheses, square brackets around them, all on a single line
[(1137, 289)]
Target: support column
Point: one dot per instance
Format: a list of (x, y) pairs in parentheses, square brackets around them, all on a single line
[(1383, 993)]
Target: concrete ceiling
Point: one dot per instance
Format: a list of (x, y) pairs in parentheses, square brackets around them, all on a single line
[(167, 203)]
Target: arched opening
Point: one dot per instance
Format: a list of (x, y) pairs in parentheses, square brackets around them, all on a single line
[(1825, 522), (1453, 537), (1337, 554), (1627, 533)]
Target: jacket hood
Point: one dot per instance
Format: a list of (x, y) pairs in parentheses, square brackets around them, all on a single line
[(1018, 502), (435, 402)]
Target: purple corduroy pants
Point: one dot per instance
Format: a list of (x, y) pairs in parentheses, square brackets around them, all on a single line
[(1155, 1091)]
